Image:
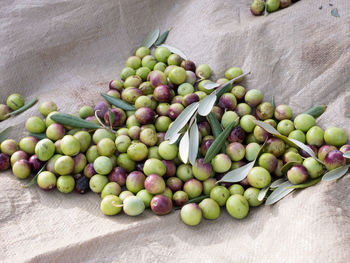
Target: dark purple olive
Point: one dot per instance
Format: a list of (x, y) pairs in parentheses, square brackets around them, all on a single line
[(218, 112), (334, 159), (89, 170), (237, 135), (175, 110), (305, 154), (170, 168), (119, 117), (205, 146), (161, 205), (322, 152), (228, 101), (162, 93), (157, 78), (4, 162), (177, 99), (35, 163), (82, 185), (145, 115), (297, 174), (190, 98), (188, 65), (101, 108), (174, 183), (139, 166), (118, 175)]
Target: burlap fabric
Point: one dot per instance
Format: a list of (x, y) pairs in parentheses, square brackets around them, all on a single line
[(67, 51)]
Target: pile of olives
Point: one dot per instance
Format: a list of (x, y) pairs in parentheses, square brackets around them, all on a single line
[(132, 167), (258, 6)]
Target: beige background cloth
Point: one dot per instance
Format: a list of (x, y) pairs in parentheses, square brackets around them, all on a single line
[(67, 51)]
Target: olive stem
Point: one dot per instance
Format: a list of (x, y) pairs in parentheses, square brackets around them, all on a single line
[(113, 204), (102, 124)]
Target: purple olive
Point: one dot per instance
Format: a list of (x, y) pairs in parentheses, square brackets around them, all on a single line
[(175, 110), (180, 198), (334, 159), (297, 174), (188, 65), (89, 170), (118, 175), (174, 183), (135, 181), (228, 101), (205, 146), (18, 155), (202, 171), (345, 148), (177, 99), (162, 93), (161, 205), (101, 108), (237, 135), (218, 112), (157, 78), (119, 117), (305, 154), (154, 184), (170, 168), (35, 163), (190, 98), (145, 115), (82, 185), (4, 162), (322, 152)]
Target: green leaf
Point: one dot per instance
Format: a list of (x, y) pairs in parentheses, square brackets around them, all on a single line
[(111, 117), (237, 174), (69, 120), (215, 127), (277, 183), (39, 136), (306, 149), (273, 102), (5, 134), (336, 173), (118, 102), (211, 85), (287, 166), (33, 181), (184, 147), (197, 199), (263, 193), (316, 111), (25, 107), (162, 38), (346, 155), (335, 13), (206, 105), (305, 185), (218, 142), (181, 121), (151, 38), (175, 51), (194, 138), (280, 192)]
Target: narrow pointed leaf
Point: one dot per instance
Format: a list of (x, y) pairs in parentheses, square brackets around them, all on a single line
[(305, 148), (118, 102), (218, 142), (5, 134), (39, 136), (33, 181), (346, 155), (273, 102), (197, 199), (181, 121), (263, 193), (211, 85), (150, 39), (214, 124), (226, 87), (287, 166), (175, 51), (184, 147), (336, 173), (277, 183), (69, 120), (162, 38), (279, 193), (316, 111), (111, 117), (194, 143), (206, 105), (25, 107), (238, 174), (305, 185)]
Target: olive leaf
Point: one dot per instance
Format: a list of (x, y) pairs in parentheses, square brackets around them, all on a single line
[(69, 120), (280, 192), (263, 193), (306, 149), (273, 103), (39, 136), (336, 173), (33, 181), (162, 38), (218, 142), (197, 199), (111, 117), (206, 105), (24, 108), (118, 102), (287, 166), (5, 134), (181, 121), (335, 13), (215, 127), (175, 51), (305, 185), (277, 183), (175, 138), (150, 39), (316, 111), (211, 85), (347, 154), (242, 172), (194, 137), (184, 147)]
